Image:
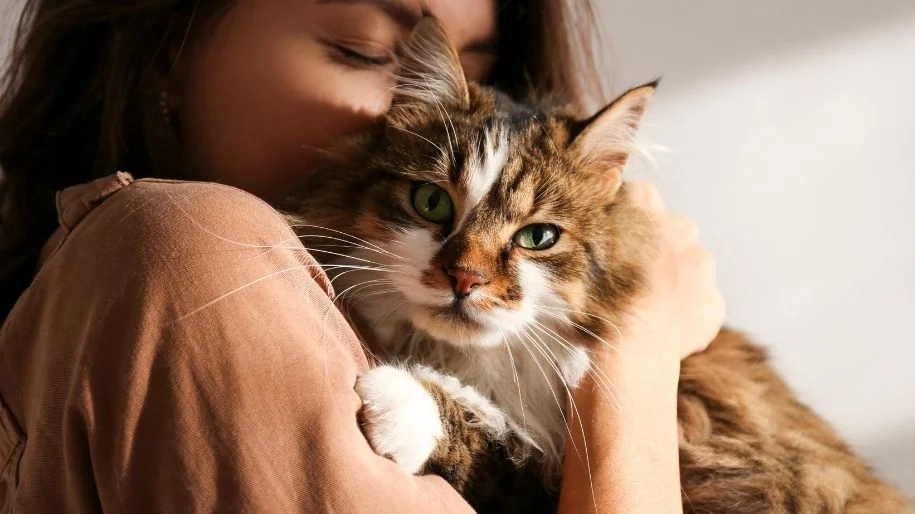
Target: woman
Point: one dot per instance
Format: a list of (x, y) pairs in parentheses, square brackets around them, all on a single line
[(176, 349)]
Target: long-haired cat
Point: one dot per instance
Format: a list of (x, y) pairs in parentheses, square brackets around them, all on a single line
[(488, 245)]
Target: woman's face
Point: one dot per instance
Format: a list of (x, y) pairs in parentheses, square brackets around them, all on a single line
[(275, 80)]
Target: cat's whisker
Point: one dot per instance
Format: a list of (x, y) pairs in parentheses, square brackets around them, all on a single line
[(386, 280), (573, 311), (555, 359), (545, 131), (352, 244), (277, 246), (419, 136), (357, 286), (355, 299), (374, 284), (350, 269), (393, 308), (569, 346), (580, 327), (410, 86), (353, 257), (577, 415), (331, 269), (522, 332), (332, 246), (569, 322), (604, 384), (542, 348), (241, 288), (363, 296), (353, 288), (576, 412), (340, 232), (511, 360), (442, 114)]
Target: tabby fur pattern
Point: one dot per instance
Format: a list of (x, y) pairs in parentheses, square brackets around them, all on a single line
[(483, 336)]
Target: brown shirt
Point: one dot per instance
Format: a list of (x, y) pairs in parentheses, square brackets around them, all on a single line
[(178, 351)]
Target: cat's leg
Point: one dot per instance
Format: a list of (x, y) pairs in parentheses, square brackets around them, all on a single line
[(400, 417), (428, 422), (412, 414), (484, 452)]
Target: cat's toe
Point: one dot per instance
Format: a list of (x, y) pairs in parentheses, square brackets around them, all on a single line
[(399, 417)]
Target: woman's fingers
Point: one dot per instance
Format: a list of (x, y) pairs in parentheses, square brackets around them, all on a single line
[(646, 196)]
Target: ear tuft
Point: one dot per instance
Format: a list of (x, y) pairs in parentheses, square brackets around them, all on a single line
[(430, 69), (605, 141)]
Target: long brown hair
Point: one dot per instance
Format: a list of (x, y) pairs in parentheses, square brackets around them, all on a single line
[(77, 104)]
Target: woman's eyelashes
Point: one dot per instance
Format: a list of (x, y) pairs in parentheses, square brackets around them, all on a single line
[(348, 55)]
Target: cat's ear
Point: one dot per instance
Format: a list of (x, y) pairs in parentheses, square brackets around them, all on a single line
[(602, 144), (430, 71)]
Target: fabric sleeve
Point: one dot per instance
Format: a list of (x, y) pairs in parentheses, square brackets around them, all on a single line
[(218, 375)]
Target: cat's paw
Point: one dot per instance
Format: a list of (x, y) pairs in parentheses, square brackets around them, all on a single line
[(482, 412), (399, 417)]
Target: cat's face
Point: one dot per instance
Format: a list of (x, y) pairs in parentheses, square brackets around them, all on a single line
[(477, 218)]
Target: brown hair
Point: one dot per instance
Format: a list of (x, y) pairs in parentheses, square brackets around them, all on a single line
[(76, 101)]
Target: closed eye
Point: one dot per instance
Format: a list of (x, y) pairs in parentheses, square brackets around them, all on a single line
[(349, 56)]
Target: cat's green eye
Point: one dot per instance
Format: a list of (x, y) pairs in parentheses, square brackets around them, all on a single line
[(538, 236), (433, 203)]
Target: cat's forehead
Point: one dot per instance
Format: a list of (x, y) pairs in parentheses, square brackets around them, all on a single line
[(511, 162), (526, 125), (499, 156)]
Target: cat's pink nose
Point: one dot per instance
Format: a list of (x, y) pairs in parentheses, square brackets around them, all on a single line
[(462, 281)]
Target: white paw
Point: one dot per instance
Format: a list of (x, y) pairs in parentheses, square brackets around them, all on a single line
[(400, 418), (489, 417)]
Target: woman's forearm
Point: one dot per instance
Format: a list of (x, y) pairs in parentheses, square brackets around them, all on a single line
[(629, 412), (624, 458)]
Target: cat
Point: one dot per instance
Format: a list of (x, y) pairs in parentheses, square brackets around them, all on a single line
[(488, 244)]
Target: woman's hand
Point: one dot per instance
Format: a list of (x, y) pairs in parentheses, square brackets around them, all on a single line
[(625, 411), (682, 305)]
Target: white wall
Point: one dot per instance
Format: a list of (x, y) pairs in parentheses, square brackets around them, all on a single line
[(9, 11), (791, 129)]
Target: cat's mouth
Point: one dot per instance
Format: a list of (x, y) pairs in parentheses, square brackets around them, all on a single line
[(460, 321), (460, 312)]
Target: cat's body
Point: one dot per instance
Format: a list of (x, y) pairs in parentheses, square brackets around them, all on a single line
[(488, 246), (748, 445)]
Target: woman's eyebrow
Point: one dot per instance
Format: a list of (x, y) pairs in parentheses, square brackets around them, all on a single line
[(400, 12)]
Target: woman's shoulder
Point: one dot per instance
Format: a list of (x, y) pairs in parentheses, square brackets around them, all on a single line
[(169, 205), (149, 214), (172, 232)]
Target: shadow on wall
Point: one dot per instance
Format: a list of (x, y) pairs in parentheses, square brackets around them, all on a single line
[(708, 35), (896, 456)]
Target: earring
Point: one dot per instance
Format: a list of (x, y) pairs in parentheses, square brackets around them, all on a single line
[(163, 104)]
